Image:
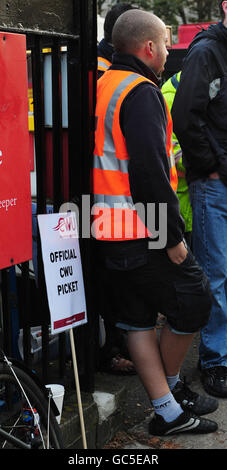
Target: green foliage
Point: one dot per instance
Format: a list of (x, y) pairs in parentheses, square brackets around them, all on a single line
[(167, 10), (175, 12), (143, 4), (206, 10)]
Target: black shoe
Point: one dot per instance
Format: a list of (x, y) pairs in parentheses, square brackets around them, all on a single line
[(186, 422), (214, 380), (192, 401)]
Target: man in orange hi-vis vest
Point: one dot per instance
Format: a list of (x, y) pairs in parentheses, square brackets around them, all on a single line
[(114, 357), (134, 192)]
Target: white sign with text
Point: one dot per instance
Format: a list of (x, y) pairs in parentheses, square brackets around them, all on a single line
[(63, 270)]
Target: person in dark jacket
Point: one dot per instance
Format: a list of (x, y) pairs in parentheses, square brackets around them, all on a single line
[(131, 164), (200, 123), (105, 47)]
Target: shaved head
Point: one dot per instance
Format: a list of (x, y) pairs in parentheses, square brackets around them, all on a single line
[(133, 28)]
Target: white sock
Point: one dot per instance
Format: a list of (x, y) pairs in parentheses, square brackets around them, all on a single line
[(167, 407), (172, 380)]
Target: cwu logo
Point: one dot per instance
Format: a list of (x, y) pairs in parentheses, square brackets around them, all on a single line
[(67, 227)]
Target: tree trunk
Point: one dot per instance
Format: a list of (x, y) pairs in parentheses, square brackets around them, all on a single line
[(182, 14)]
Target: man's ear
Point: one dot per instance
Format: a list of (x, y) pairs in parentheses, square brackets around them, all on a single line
[(224, 6), (149, 48)]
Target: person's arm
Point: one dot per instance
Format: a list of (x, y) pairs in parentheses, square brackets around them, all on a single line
[(143, 120), (189, 111)]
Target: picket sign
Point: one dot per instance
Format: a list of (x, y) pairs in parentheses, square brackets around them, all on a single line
[(64, 282)]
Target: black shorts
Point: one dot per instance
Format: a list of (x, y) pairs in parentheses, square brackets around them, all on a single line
[(137, 283)]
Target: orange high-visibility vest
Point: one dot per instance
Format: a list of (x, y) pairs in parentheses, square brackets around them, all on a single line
[(115, 217), (103, 64)]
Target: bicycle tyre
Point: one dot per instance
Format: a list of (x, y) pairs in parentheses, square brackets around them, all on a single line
[(37, 400)]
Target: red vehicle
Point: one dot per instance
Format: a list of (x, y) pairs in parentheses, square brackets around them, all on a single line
[(186, 34)]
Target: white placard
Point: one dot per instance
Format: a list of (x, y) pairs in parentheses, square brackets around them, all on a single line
[(63, 270)]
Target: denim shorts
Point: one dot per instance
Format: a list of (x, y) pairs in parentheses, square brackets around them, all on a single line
[(136, 283)]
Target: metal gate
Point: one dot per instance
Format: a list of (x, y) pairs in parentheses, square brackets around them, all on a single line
[(62, 80)]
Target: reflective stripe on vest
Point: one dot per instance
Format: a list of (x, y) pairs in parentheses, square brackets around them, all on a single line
[(175, 81), (170, 152), (115, 216), (103, 64)]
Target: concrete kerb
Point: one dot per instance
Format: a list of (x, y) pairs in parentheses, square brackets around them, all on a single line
[(102, 410)]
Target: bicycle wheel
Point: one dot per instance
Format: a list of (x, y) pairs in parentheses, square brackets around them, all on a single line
[(26, 419)]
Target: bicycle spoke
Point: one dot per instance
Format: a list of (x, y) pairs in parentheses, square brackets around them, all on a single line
[(26, 418)]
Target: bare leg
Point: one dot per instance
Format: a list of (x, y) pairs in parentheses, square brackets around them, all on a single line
[(152, 362), (173, 348), (145, 354)]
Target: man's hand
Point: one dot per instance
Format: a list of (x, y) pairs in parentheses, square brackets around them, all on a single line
[(178, 253)]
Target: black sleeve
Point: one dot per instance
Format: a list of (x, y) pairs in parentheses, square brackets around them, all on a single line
[(189, 111), (99, 73), (143, 122)]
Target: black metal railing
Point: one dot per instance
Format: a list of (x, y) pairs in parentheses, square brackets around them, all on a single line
[(62, 164)]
